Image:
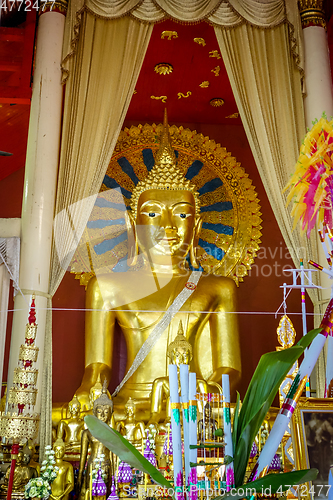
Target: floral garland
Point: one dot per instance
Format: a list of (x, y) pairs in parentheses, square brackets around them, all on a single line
[(41, 486)]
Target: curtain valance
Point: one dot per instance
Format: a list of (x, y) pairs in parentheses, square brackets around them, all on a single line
[(263, 14)]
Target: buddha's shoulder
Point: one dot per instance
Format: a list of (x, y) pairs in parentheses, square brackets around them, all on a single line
[(219, 284)]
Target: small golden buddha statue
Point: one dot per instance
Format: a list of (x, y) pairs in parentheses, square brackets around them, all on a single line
[(96, 391), (63, 484), (164, 223), (179, 352), (70, 429), (103, 408), (207, 425), (130, 428), (22, 474)]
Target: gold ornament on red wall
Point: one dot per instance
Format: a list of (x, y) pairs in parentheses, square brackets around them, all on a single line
[(163, 69)]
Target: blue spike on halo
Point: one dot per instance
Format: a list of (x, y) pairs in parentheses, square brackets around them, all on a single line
[(113, 184), (121, 266), (148, 158), (220, 206), (101, 223), (218, 228), (103, 203), (210, 186), (107, 245), (194, 169), (128, 169), (212, 249)]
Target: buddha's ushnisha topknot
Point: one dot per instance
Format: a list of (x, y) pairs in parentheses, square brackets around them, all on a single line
[(165, 174)]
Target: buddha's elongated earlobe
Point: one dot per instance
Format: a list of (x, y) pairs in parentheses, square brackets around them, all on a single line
[(133, 247), (195, 240)]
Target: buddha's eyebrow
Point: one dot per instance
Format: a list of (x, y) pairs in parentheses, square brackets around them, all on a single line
[(150, 202)]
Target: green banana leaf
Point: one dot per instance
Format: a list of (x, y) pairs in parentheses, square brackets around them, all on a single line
[(283, 480), (115, 442), (267, 378)]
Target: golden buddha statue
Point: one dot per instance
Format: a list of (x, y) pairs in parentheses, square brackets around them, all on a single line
[(164, 223), (102, 409), (63, 484), (22, 474), (179, 352), (130, 428), (70, 429), (207, 425)]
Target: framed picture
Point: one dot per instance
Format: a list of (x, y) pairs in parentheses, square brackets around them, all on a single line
[(312, 435)]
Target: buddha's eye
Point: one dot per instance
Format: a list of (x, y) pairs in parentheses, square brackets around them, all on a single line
[(183, 216), (151, 214)]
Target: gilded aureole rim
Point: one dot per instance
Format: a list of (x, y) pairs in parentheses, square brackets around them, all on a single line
[(301, 458)]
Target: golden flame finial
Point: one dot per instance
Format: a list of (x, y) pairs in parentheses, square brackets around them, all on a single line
[(165, 174)]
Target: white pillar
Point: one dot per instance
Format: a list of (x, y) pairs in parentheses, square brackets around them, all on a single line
[(39, 185), (319, 99), (318, 84), (318, 78)]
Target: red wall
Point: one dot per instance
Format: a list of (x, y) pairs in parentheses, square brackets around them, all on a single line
[(259, 293)]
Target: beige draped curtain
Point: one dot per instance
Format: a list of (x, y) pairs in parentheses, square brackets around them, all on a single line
[(103, 71), (104, 46)]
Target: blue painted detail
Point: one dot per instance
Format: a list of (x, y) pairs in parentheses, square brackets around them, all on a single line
[(107, 245), (212, 249), (128, 169), (103, 203), (219, 228), (220, 206), (200, 268), (99, 224), (176, 153), (148, 158), (121, 266), (210, 186), (194, 169), (113, 184)]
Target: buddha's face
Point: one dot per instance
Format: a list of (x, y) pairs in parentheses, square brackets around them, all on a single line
[(130, 411), (75, 409), (25, 458), (102, 412), (59, 451), (166, 223), (19, 459), (181, 358)]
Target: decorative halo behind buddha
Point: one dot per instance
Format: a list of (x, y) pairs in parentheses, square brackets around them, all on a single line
[(229, 207)]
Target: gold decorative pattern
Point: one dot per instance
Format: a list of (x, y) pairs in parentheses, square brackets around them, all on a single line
[(19, 428), (163, 98), (25, 376), (30, 332), (217, 102), (200, 41), (163, 69), (204, 84), (216, 70), (215, 53), (299, 439), (22, 396), (234, 115), (28, 353), (312, 13), (169, 34), (240, 247), (180, 94), (53, 6), (286, 332)]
